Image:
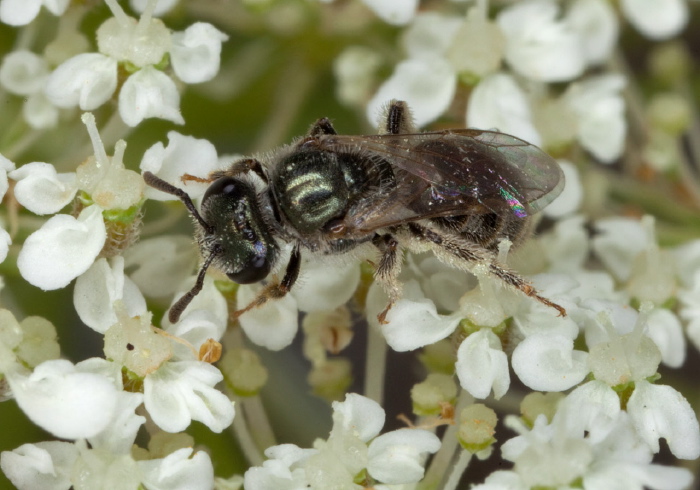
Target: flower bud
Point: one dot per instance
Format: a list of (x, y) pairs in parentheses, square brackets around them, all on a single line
[(477, 425), (431, 395), (244, 372)]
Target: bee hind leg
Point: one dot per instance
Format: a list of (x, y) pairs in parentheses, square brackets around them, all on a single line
[(399, 119), (388, 270), (275, 290), (447, 246)]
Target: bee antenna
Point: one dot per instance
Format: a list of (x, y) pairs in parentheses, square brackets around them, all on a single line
[(184, 301), (161, 185)]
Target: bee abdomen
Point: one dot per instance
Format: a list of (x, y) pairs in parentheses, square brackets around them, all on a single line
[(487, 230)]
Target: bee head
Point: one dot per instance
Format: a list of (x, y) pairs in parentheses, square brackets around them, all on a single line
[(231, 233), (236, 232)]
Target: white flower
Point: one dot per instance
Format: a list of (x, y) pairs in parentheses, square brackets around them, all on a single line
[(499, 103), (179, 392), (588, 443), (87, 80), (162, 7), (413, 321), (41, 189), (600, 109), (62, 249), (397, 12), (282, 471), (22, 12), (317, 289), (482, 365), (660, 411), (6, 166), (99, 287), (656, 20), (548, 362), (428, 86), (23, 72), (196, 52), (597, 25), (538, 45), (160, 264), (360, 415), (62, 399), (180, 470), (617, 242), (90, 79), (149, 93), (45, 465), (397, 457), (272, 325), (183, 155)]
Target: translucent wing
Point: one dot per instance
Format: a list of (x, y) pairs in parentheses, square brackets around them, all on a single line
[(451, 173)]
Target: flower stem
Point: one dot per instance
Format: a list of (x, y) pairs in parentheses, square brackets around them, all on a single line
[(458, 470), (375, 365)]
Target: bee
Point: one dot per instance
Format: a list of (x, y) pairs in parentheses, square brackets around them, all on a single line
[(458, 192)]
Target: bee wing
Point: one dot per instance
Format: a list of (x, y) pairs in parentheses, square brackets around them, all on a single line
[(448, 173)]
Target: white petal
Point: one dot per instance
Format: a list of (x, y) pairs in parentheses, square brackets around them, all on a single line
[(413, 321), (325, 286), (596, 23), (61, 400), (428, 86), (657, 20), (585, 406), (56, 7), (6, 165), (179, 471), (361, 415), (196, 52), (87, 80), (617, 243), (149, 93), (183, 155), (62, 249), (99, 287), (5, 242), (274, 324), (162, 7), (209, 299), (19, 12), (120, 433), (41, 189), (538, 45), (665, 329), (23, 72), (571, 197), (161, 263), (499, 103), (39, 112), (430, 35), (397, 12), (41, 466), (180, 392), (396, 457), (660, 411), (482, 365), (549, 362), (600, 108)]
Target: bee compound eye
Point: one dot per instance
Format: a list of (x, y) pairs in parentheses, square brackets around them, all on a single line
[(225, 186), (255, 270)]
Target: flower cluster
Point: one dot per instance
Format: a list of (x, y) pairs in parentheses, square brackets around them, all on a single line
[(598, 331)]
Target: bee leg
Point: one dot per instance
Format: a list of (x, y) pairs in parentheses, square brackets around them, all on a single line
[(398, 118), (275, 290), (237, 168), (449, 246), (388, 270), (322, 126)]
